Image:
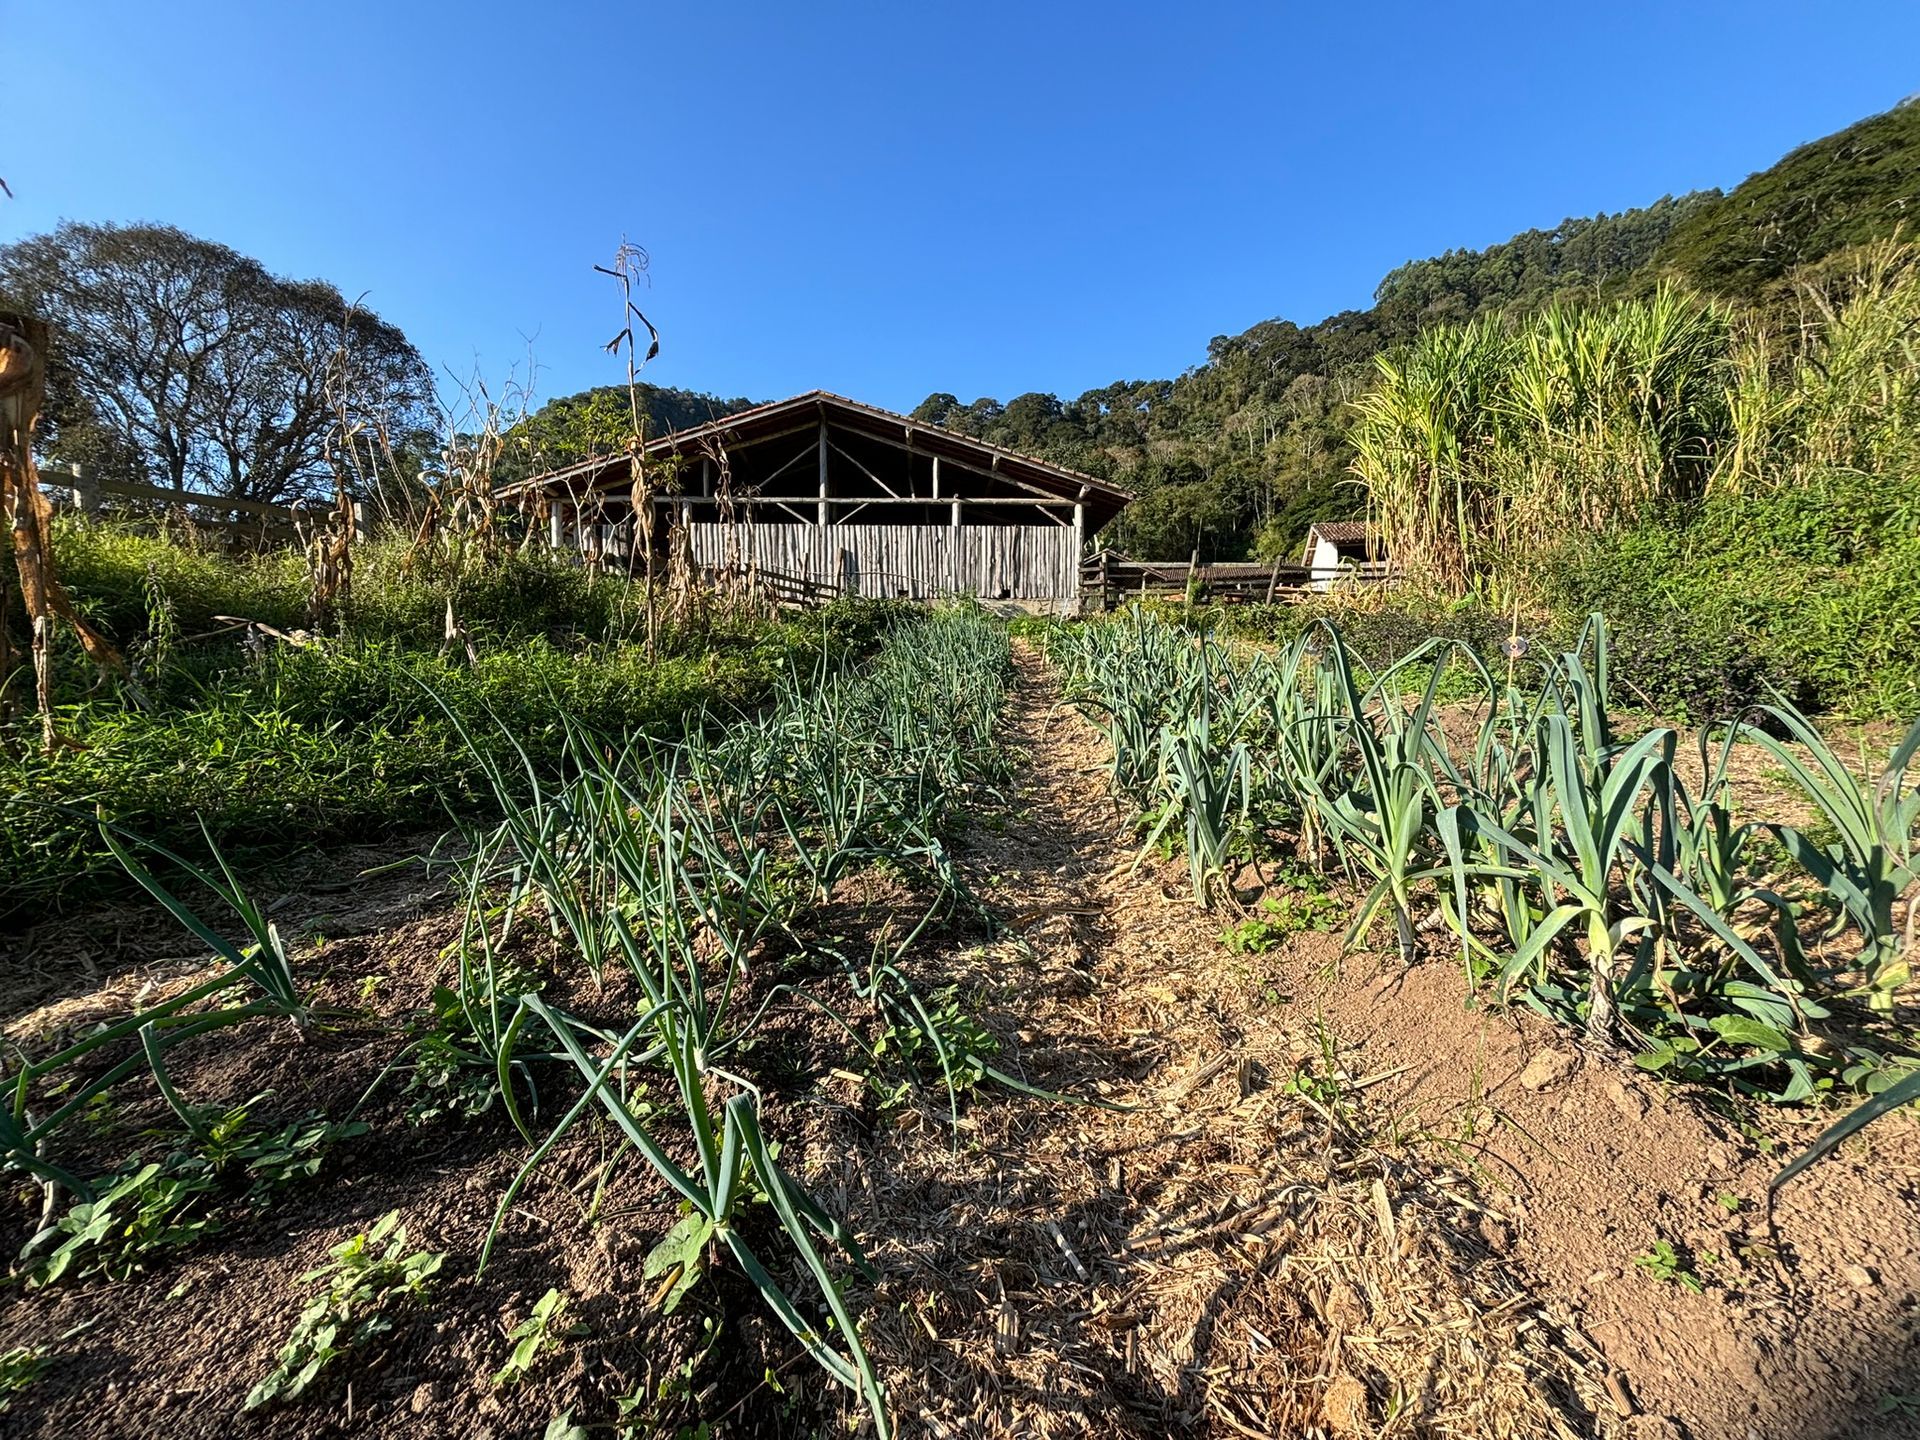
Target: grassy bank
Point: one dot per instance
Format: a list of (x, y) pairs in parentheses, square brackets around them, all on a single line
[(274, 746)]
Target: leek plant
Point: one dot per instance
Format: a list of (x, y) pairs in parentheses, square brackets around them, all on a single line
[(1576, 870)]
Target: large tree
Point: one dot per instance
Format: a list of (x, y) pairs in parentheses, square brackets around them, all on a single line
[(181, 362)]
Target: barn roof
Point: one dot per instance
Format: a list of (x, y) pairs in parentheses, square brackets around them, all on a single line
[(766, 422)]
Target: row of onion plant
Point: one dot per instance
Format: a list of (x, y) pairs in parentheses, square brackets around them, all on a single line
[(690, 865), (686, 865), (1574, 868)]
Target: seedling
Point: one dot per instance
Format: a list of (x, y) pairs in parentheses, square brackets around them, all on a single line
[(541, 1330), (19, 1368), (1663, 1262), (1281, 917), (367, 1277)]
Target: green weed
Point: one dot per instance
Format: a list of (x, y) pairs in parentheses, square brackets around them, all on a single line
[(364, 1281)]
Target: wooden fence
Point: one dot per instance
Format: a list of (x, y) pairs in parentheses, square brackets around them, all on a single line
[(920, 562), (1108, 580), (247, 521)]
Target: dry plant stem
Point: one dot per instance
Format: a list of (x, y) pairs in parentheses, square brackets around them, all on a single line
[(23, 384), (630, 261)]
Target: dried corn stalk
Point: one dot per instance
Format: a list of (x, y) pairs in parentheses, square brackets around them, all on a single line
[(23, 385), (328, 550)]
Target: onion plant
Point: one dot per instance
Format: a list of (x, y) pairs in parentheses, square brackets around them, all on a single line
[(259, 970), (689, 865)]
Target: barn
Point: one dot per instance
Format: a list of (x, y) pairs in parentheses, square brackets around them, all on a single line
[(825, 492)]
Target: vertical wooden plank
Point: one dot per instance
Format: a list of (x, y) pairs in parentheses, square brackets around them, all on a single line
[(823, 471)]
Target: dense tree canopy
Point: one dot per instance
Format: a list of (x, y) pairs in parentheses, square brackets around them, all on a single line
[(598, 422), (1848, 189), (182, 363)]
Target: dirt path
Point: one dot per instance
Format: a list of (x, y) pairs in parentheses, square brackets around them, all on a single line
[(1432, 1238), (1224, 1257)]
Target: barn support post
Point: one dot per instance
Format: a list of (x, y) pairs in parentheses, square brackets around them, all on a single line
[(823, 471), (953, 545), (1079, 549), (556, 527), (86, 493)]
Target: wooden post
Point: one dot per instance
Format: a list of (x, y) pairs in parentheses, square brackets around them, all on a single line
[(1079, 547), (823, 472), (953, 544), (1273, 579), (556, 527), (359, 521), (86, 494)]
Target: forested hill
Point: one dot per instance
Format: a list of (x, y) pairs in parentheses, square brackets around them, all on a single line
[(1241, 452), (598, 422), (1856, 186)]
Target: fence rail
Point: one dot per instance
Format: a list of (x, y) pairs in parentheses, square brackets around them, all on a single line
[(1107, 579), (73, 488)]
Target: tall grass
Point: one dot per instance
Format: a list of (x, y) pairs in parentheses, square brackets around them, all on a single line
[(1483, 447)]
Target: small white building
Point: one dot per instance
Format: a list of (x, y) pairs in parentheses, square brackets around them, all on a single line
[(1343, 550)]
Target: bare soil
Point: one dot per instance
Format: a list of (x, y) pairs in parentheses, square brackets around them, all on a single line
[(1294, 1194)]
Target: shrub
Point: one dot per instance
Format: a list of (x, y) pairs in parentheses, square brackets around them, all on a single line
[(1807, 590)]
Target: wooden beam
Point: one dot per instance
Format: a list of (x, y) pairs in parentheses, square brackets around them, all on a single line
[(805, 451), (822, 520), (875, 478), (977, 470), (1079, 546), (751, 498)]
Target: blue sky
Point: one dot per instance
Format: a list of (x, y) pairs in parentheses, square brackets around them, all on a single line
[(888, 200)]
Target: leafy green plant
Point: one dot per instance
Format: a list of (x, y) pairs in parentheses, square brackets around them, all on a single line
[(940, 1037), (162, 1206), (543, 1329), (134, 1218), (1663, 1262), (366, 1278), (1281, 917), (19, 1368)]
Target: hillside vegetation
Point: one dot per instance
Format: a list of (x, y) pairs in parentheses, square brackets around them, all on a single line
[(1240, 453)]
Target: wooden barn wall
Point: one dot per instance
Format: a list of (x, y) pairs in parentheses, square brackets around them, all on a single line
[(1026, 562)]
